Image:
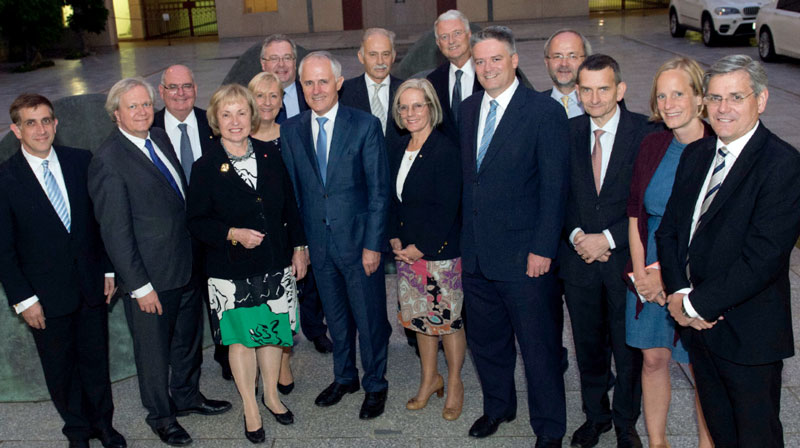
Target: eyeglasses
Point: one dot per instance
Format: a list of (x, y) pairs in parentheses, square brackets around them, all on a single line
[(172, 88), (416, 108), (454, 35), (287, 58), (561, 57), (734, 98)]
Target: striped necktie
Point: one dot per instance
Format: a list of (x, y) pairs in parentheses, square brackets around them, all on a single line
[(55, 196), (488, 132), (717, 176), (377, 107)]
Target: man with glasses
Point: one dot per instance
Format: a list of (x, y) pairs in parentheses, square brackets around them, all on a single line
[(279, 56), (564, 52), (454, 80), (190, 135), (724, 245)]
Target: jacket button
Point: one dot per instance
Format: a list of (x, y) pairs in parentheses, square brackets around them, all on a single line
[(597, 207), (401, 223), (258, 199), (325, 196), (445, 243)]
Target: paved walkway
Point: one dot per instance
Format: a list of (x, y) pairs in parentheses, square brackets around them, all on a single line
[(640, 42)]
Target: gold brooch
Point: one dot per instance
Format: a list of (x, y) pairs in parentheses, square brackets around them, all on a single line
[(224, 168)]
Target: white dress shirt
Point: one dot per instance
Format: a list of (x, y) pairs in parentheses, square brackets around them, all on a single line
[(607, 143), (383, 94), (405, 166), (467, 79), (171, 126), (574, 105), (502, 104), (331, 116), (734, 150), (290, 100)]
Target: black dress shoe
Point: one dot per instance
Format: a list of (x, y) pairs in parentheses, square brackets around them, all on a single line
[(628, 437), (78, 444), (334, 393), (547, 442), (110, 438), (486, 426), (286, 389), (588, 435), (287, 418), (173, 434), (206, 407), (373, 405), (227, 375), (257, 436), (323, 344)]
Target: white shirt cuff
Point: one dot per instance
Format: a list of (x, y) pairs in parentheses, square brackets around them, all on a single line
[(25, 304), (109, 275), (687, 305), (611, 244), (572, 235), (143, 291)]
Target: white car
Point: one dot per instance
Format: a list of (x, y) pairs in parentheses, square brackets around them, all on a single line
[(778, 30), (715, 19)]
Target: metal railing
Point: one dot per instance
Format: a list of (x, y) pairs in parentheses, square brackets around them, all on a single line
[(183, 18), (623, 5)]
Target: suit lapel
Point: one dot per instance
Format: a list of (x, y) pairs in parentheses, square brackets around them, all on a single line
[(307, 140), (203, 130), (31, 185), (470, 121), (506, 125), (71, 179), (361, 95), (619, 151), (231, 176), (583, 169), (143, 161), (341, 132)]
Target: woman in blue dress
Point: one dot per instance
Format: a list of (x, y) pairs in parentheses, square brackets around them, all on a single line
[(676, 98)]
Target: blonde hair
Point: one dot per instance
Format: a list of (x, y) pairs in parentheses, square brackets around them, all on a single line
[(265, 77), (228, 94), (122, 87), (428, 92), (695, 73)]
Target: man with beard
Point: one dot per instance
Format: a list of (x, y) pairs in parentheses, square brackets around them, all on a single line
[(563, 53)]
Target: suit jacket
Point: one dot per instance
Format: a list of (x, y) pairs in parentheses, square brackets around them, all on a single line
[(440, 79), (592, 212), (37, 254), (429, 215), (219, 199), (739, 255), (354, 201), (301, 103), (354, 94), (203, 129), (515, 204), (142, 219)]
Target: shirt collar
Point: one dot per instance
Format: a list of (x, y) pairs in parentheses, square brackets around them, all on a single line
[(735, 147), (556, 94), (291, 89), (468, 68), (170, 122), (371, 82), (139, 142), (611, 125), (330, 115), (36, 162), (504, 98)]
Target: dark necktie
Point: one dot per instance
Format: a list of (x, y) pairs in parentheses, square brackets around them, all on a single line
[(281, 114), (456, 95), (322, 149), (161, 167), (187, 156)]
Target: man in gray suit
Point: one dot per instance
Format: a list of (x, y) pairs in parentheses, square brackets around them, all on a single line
[(138, 189)]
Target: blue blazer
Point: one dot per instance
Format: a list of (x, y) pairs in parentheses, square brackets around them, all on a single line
[(354, 201), (515, 204)]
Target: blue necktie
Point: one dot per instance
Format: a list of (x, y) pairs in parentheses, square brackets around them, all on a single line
[(322, 149), (54, 194), (187, 156), (488, 132), (163, 168)]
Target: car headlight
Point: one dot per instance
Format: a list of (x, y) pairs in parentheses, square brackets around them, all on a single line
[(725, 10)]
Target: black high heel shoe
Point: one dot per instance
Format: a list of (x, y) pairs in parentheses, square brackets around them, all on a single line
[(287, 418), (286, 389), (257, 436)]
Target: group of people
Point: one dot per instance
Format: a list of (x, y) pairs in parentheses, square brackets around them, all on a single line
[(493, 200)]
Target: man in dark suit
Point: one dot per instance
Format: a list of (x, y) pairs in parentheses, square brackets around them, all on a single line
[(373, 91), (603, 145), (515, 187), (52, 266), (189, 133), (724, 245), (336, 158), (279, 56), (454, 80), (564, 51), (138, 188)]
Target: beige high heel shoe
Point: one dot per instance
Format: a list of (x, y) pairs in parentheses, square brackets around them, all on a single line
[(438, 389), (451, 414)]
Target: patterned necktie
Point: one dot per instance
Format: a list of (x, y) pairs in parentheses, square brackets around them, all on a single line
[(162, 168), (488, 132), (55, 196), (565, 102), (717, 176), (322, 149), (597, 160), (187, 156), (456, 101), (377, 107)]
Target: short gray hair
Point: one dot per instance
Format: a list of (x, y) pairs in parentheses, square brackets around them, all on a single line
[(369, 32), (587, 46), (497, 32), (278, 38), (736, 62), (452, 14), (425, 86), (164, 73), (336, 66), (122, 87)]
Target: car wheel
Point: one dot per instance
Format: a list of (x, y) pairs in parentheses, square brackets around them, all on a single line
[(675, 27), (710, 36), (766, 46)]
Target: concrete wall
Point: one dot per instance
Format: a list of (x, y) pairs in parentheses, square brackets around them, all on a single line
[(291, 17), (388, 14)]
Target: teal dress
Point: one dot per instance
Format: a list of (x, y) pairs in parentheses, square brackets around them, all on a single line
[(653, 327)]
